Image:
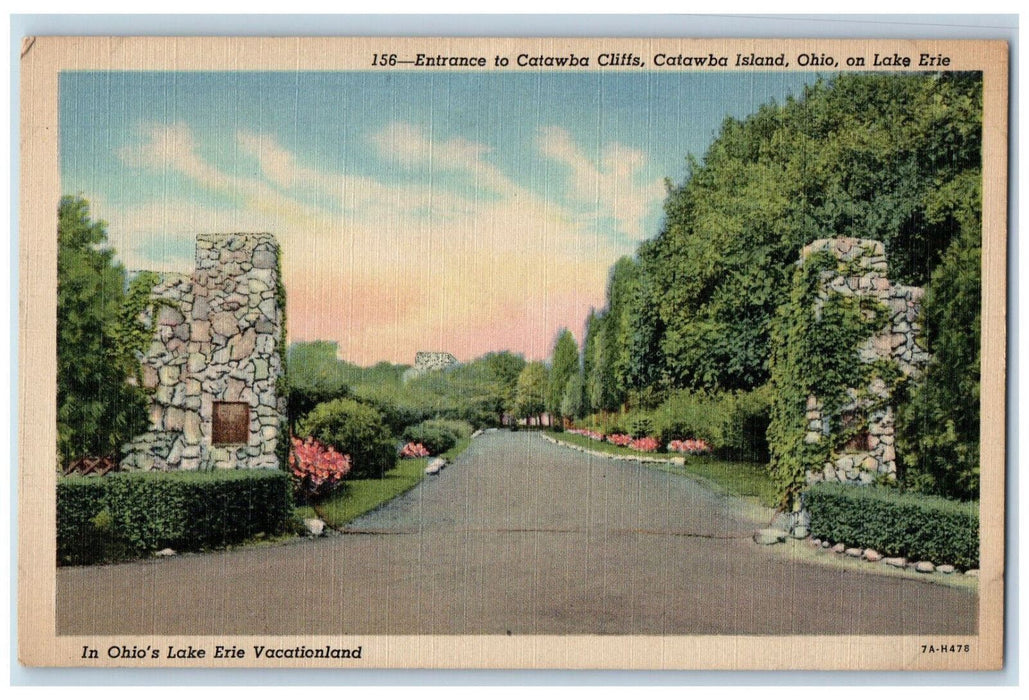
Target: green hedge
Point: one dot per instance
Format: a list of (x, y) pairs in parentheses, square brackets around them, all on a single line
[(132, 514), (896, 524)]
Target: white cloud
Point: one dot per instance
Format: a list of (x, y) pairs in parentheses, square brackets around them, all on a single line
[(612, 184), (388, 268), (159, 235), (411, 146)]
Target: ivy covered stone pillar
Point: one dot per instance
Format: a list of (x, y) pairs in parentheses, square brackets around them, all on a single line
[(841, 346)]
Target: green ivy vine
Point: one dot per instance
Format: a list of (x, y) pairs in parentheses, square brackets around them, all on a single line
[(132, 335), (816, 354)]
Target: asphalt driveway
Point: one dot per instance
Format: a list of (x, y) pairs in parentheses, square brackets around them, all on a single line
[(519, 536)]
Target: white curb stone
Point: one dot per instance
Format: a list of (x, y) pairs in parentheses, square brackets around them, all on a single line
[(315, 526)]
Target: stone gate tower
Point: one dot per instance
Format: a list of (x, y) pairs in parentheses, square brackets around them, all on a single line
[(216, 360), (871, 453)]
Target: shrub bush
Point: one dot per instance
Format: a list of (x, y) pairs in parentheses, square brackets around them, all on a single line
[(644, 444), (620, 439), (608, 423), (689, 415), (638, 424), (413, 450), (80, 540), (895, 523), (477, 412), (732, 424), (460, 428), (438, 435), (398, 411), (354, 429), (434, 438), (131, 514)]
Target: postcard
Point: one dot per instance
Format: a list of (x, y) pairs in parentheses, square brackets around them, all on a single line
[(512, 353)]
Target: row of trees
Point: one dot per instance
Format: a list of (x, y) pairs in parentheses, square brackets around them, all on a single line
[(479, 392), (895, 158), (555, 390)]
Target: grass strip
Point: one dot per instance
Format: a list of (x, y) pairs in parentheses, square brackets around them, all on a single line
[(607, 447), (744, 479)]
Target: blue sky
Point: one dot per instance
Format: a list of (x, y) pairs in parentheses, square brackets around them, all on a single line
[(465, 212)]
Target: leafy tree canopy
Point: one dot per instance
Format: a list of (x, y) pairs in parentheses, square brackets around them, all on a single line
[(864, 155), (564, 365), (99, 333), (531, 391)]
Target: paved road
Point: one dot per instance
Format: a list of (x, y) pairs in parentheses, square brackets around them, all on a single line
[(520, 537)]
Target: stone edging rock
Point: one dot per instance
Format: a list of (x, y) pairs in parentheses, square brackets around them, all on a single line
[(622, 458), (772, 535)]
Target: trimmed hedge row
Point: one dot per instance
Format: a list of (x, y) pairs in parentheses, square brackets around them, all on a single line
[(896, 524), (126, 515)]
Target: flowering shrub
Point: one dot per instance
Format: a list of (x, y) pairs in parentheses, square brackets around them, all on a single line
[(353, 429), (320, 469), (689, 447), (414, 450), (644, 444), (619, 439)]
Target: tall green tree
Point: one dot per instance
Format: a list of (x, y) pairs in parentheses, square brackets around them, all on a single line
[(938, 428), (607, 344), (640, 368), (589, 343), (564, 365), (99, 408), (572, 400), (504, 368), (600, 383), (531, 391), (623, 289)]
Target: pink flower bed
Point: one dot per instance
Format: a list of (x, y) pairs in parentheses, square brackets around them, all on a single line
[(644, 444), (619, 439), (689, 447), (320, 469), (414, 450)]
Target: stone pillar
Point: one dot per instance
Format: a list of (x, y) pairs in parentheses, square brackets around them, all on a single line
[(871, 454), (237, 324), (216, 340)]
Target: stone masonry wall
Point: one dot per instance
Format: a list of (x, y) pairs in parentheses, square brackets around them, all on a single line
[(874, 455), (216, 339)]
